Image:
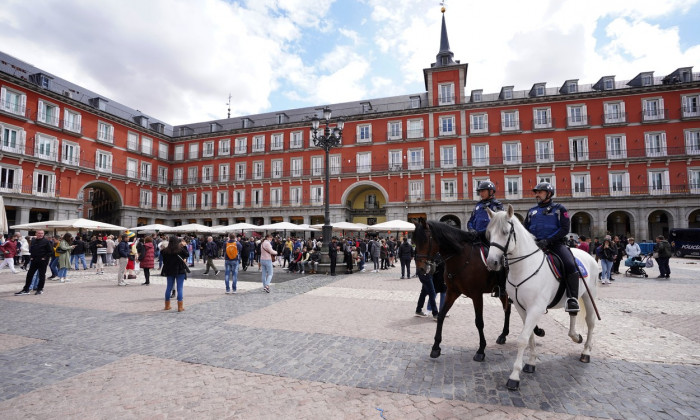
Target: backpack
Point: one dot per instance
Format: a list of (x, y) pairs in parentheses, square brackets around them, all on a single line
[(115, 253), (231, 250)]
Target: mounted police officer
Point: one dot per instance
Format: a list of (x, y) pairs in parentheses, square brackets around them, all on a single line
[(480, 219), (549, 222)]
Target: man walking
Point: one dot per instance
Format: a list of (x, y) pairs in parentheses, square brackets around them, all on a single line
[(232, 256), (40, 251), (333, 254), (211, 251), (663, 252), (405, 255), (123, 259), (9, 250)]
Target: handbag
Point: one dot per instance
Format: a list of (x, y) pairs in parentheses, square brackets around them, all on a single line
[(649, 263), (187, 269), (656, 255)]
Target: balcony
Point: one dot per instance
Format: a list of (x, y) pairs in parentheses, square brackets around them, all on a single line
[(616, 118), (578, 121), (363, 138), (14, 109), (543, 124), (418, 133), (72, 127), (654, 115), (510, 126), (477, 129), (690, 112), (105, 137)]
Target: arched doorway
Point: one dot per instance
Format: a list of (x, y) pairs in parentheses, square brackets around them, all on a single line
[(581, 224), (659, 223), (694, 219), (101, 202), (365, 203), (451, 220), (618, 223)]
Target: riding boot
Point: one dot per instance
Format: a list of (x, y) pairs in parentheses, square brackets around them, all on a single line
[(499, 289), (572, 281)]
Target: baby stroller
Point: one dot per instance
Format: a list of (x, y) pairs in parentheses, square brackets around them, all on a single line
[(637, 265)]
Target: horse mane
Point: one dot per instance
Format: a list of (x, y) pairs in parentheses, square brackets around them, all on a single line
[(501, 222), (451, 239)]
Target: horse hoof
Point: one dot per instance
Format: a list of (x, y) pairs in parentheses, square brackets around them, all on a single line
[(435, 353), (580, 339), (585, 358), (529, 368), (513, 385), (479, 357), (539, 332), (501, 340)]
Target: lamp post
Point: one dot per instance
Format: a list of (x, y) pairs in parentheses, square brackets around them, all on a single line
[(328, 139)]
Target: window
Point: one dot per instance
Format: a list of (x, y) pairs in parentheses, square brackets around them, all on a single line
[(334, 164), (580, 185), (608, 84), (258, 144), (192, 175), (208, 174), (132, 168), (145, 199), (691, 106), (296, 167), (177, 176), (614, 112), (364, 162), (415, 129), (447, 125), (619, 183), (206, 200), (208, 149), (132, 141), (147, 146), (449, 189), (659, 182), (13, 139), (239, 199), (655, 143), (277, 141), (616, 146), (578, 149), (162, 201), (72, 121), (162, 174), (513, 188), (539, 90), (162, 150), (544, 151), (44, 184), (193, 151), (145, 171), (480, 154), (507, 93), (240, 171), (10, 179), (221, 199), (179, 152), (653, 109), (105, 132), (394, 129), (415, 191), (395, 161), (479, 123), (543, 118), (511, 153), (296, 141), (103, 161), (446, 94), (258, 169), (448, 156), (295, 196), (224, 147), (647, 80), (573, 87), (177, 202), (48, 113), (317, 165), (692, 142), (475, 182), (277, 167), (547, 178), (241, 146), (191, 201), (694, 180), (13, 101), (70, 153), (510, 121), (223, 172), (576, 116), (415, 159), (364, 133), (275, 197), (316, 195), (45, 147), (415, 102)]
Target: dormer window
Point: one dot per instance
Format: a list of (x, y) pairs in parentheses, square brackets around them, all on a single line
[(415, 102), (282, 118), (506, 92), (608, 84), (41, 80), (572, 87), (142, 121), (246, 123), (538, 89), (214, 127), (647, 80), (366, 107), (476, 95), (99, 103), (158, 127), (444, 61)]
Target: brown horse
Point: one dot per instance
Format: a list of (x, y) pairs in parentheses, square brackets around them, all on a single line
[(465, 274)]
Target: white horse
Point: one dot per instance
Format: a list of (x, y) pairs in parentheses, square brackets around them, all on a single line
[(532, 285)]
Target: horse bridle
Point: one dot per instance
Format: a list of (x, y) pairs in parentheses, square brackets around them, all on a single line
[(428, 257)]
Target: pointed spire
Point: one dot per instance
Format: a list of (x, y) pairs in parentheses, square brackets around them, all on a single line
[(445, 56)]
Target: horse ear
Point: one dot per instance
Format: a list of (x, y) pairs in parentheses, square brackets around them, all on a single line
[(421, 221), (490, 213), (510, 211)]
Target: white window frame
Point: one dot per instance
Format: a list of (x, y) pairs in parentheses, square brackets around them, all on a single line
[(394, 130), (208, 149), (316, 192), (206, 200), (542, 121), (44, 184), (241, 146), (193, 150), (258, 169), (162, 203), (447, 126), (276, 168), (224, 172), (147, 146), (192, 201), (238, 199), (477, 159), (176, 202), (224, 147), (448, 156), (576, 143), (240, 171), (105, 132), (276, 197), (162, 175), (16, 185), (207, 174), (512, 153), (295, 196), (694, 180), (623, 189), (334, 164), (544, 150), (415, 129), (575, 185), (576, 115), (613, 150), (192, 175), (257, 198), (652, 149), (52, 118), (416, 159), (72, 121), (395, 160), (364, 133), (612, 115), (18, 106), (363, 162), (416, 192), (132, 168), (162, 150), (70, 153), (479, 123), (177, 176), (8, 142), (653, 109), (513, 187), (690, 105), (510, 120), (132, 141), (277, 141), (146, 171), (222, 199), (317, 165), (145, 199), (653, 176), (258, 144), (46, 147), (103, 161), (446, 94), (692, 141), (448, 189), (296, 167), (179, 153), (296, 140)]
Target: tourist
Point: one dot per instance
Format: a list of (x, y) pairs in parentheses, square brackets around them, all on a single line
[(101, 252), (122, 256), (266, 254), (78, 253), (9, 250), (110, 250), (147, 260), (63, 250), (606, 254), (405, 257), (40, 251), (662, 253), (24, 251), (211, 251), (232, 257), (175, 269)]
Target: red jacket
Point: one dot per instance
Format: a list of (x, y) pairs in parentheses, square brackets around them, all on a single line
[(9, 249), (148, 256)]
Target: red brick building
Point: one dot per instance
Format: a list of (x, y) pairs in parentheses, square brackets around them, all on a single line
[(623, 155)]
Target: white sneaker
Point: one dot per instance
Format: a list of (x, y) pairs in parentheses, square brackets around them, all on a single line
[(363, 270), (373, 271), (61, 280)]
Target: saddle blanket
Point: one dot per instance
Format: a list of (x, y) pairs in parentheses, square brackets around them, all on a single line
[(556, 266)]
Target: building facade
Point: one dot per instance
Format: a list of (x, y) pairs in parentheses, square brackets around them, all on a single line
[(624, 156)]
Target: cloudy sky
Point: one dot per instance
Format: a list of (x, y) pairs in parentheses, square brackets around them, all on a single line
[(178, 60)]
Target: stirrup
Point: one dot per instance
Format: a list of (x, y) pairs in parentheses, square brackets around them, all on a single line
[(496, 292), (572, 305)]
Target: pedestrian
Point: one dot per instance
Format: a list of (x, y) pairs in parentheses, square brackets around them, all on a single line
[(134, 246), (405, 256), (607, 257), (78, 253), (374, 252), (391, 245), (175, 268), (147, 259), (24, 251), (304, 259), (619, 251), (347, 254), (211, 251), (427, 290), (9, 250), (333, 254), (583, 245), (64, 255), (266, 254), (40, 252), (662, 253), (232, 257), (122, 256), (314, 259), (101, 252), (110, 250), (362, 253), (53, 265), (633, 250), (245, 253)]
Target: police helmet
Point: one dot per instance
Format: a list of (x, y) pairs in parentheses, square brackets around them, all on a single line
[(486, 185), (544, 186)]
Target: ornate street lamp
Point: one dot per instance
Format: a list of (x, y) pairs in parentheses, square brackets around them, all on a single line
[(327, 140)]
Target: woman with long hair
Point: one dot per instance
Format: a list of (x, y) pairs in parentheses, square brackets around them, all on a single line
[(147, 259), (64, 249), (175, 269)]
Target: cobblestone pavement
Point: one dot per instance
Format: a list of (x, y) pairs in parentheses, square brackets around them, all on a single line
[(335, 347)]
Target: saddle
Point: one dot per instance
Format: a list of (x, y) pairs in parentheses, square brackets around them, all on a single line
[(557, 267)]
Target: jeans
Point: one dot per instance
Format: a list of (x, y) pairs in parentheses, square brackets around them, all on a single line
[(231, 267), (62, 272), (180, 279), (428, 290), (406, 262), (53, 266), (266, 272), (607, 266), (361, 263), (80, 258), (442, 301)]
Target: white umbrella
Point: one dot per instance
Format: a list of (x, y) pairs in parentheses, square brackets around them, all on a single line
[(398, 225), (355, 227), (192, 227), (69, 224), (156, 227), (3, 217), (280, 226), (235, 228)]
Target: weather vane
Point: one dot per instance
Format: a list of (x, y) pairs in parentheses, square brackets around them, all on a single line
[(229, 105), (443, 3)]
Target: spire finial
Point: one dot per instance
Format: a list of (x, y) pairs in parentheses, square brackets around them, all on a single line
[(442, 8)]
